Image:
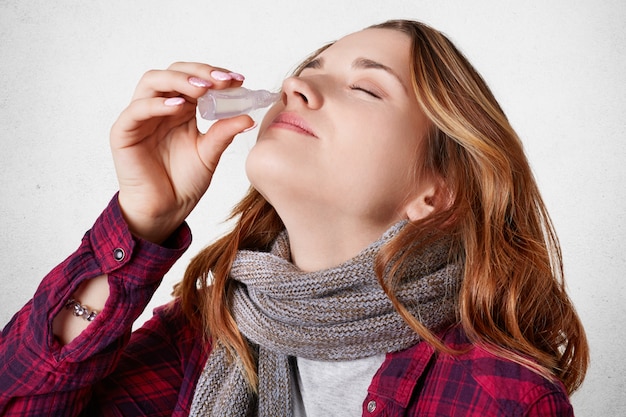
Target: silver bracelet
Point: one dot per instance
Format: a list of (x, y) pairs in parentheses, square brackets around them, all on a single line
[(80, 310)]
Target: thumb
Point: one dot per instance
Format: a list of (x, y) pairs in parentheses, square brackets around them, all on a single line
[(214, 142)]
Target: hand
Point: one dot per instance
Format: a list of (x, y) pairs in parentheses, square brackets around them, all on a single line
[(164, 164)]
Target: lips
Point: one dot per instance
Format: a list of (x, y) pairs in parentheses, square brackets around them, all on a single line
[(292, 121)]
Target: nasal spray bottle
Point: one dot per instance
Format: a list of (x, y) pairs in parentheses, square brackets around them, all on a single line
[(230, 102)]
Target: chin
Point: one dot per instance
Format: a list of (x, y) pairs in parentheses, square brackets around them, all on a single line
[(262, 171)]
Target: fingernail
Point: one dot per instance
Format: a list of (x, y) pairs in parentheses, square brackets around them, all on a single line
[(174, 101), (199, 82), (237, 76), (250, 128), (221, 75)]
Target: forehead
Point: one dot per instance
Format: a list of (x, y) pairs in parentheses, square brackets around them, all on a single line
[(389, 47)]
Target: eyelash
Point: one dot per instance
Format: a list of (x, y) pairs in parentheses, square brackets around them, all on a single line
[(356, 87)]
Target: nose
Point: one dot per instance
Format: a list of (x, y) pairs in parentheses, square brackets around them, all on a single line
[(300, 91)]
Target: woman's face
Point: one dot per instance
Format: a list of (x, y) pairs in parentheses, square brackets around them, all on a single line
[(342, 143)]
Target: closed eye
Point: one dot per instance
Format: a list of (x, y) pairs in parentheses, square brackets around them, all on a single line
[(358, 88)]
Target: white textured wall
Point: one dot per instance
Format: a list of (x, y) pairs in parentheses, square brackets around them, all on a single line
[(67, 68)]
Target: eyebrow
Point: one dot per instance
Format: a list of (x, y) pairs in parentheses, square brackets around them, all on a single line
[(360, 63)]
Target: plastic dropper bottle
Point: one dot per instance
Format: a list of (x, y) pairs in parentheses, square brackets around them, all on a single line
[(230, 102)]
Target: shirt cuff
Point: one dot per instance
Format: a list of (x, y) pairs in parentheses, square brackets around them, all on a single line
[(114, 247)]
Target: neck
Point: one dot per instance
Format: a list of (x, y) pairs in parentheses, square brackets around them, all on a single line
[(317, 244)]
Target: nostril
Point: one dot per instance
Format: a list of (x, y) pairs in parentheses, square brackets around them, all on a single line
[(301, 91)]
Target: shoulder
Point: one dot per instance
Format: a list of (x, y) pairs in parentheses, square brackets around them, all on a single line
[(170, 321), (168, 335), (471, 382), (168, 353), (490, 382)]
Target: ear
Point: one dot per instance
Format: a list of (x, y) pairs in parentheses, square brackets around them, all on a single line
[(422, 205), (430, 198)]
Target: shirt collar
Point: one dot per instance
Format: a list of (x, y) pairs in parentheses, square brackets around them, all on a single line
[(399, 374), (397, 378)]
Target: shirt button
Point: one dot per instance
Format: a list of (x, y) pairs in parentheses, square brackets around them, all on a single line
[(119, 254), (371, 406)]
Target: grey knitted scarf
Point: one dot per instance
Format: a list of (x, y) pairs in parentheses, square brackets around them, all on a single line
[(335, 314)]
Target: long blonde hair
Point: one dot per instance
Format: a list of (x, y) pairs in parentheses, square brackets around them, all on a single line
[(513, 299)]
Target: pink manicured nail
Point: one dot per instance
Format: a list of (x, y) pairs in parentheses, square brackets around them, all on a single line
[(174, 101), (221, 75), (237, 76), (250, 128), (199, 82)]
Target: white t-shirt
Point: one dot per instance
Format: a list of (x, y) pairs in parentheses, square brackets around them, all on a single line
[(324, 389)]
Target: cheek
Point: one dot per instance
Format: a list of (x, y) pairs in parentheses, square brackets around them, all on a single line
[(387, 164), (381, 148)]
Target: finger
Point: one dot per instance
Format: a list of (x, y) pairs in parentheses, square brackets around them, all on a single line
[(221, 134), (187, 79), (221, 77), (168, 83), (140, 115)]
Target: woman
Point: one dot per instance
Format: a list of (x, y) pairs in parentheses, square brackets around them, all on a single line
[(393, 256)]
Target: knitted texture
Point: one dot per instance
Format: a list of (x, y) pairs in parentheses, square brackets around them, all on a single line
[(340, 313)]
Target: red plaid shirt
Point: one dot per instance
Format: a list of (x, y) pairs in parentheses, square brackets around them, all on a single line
[(106, 371)]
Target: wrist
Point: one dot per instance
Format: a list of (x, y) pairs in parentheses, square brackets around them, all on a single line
[(152, 230), (151, 226)]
